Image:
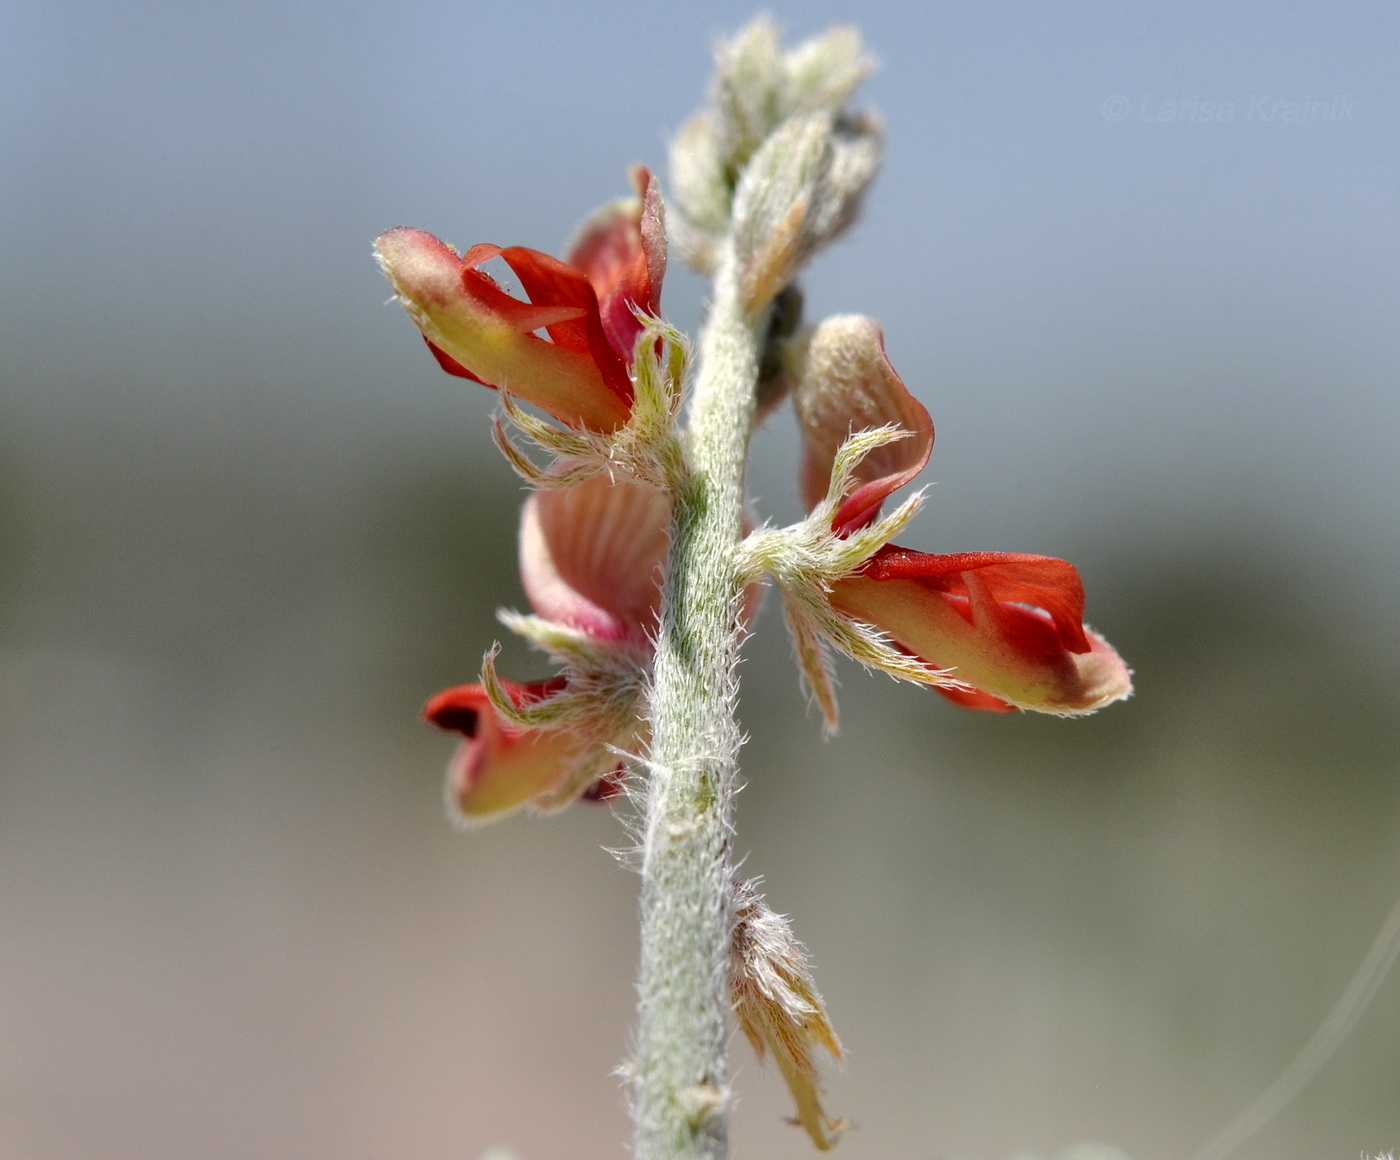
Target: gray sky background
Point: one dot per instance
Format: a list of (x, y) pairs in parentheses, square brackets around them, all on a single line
[(1153, 316), (1098, 311)]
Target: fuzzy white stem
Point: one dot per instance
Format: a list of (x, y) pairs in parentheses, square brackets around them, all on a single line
[(680, 1094)]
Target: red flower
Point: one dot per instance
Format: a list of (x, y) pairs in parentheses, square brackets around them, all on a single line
[(497, 767), (590, 561), (586, 305), (1008, 626)]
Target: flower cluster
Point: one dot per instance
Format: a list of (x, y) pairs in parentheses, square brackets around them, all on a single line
[(770, 171), (593, 534), (987, 630)]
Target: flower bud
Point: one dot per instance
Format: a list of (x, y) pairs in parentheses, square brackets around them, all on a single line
[(756, 90), (824, 72), (798, 192), (748, 91), (701, 191)]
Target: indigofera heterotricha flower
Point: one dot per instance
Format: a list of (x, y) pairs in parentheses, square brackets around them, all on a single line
[(590, 563), (587, 306), (994, 630)]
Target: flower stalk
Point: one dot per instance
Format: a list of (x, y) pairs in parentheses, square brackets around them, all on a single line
[(680, 1073)]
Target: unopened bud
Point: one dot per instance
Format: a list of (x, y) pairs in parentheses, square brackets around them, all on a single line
[(700, 192), (857, 145), (824, 72), (747, 92), (756, 90), (797, 193)]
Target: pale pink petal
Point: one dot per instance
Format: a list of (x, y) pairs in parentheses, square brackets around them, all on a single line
[(591, 556), (842, 383)]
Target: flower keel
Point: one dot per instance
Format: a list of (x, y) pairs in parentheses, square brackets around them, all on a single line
[(497, 768), (1010, 626)]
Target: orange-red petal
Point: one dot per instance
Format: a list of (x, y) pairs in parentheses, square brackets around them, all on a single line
[(1007, 625), (476, 329), (498, 768)]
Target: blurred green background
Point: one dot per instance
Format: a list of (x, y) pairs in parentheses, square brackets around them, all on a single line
[(246, 527)]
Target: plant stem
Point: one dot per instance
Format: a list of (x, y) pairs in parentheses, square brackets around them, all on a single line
[(680, 1078)]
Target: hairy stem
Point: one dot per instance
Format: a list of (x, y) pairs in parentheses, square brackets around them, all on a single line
[(680, 1078)]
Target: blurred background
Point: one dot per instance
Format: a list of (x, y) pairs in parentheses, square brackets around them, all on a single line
[(247, 527)]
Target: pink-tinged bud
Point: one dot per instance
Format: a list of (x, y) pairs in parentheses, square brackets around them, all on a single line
[(498, 768), (477, 330), (843, 383), (591, 556), (621, 249), (1009, 626)]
